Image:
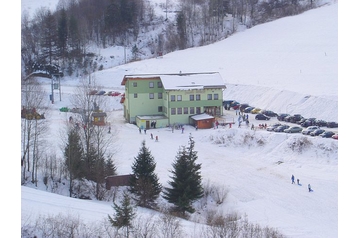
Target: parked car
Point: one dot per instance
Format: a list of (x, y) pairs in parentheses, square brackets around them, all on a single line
[(227, 104), (317, 132), (114, 94), (101, 92), (332, 124), (309, 129), (93, 92), (282, 116), (293, 129), (273, 126), (327, 134), (318, 122), (269, 113), (308, 122), (109, 93), (281, 128), (335, 136), (248, 109), (294, 118), (243, 106), (262, 117), (256, 110)]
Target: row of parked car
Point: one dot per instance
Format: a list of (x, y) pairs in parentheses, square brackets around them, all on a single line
[(312, 125), (104, 93), (311, 130)]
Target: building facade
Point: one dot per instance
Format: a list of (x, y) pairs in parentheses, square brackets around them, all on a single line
[(161, 100)]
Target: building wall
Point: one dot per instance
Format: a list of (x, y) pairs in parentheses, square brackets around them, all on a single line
[(138, 101)]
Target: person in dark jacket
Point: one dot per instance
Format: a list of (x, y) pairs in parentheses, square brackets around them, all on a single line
[(293, 179)]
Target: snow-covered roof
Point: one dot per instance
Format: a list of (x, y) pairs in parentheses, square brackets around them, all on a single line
[(185, 81), (202, 116)]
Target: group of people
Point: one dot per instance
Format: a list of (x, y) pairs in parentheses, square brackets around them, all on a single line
[(298, 183)]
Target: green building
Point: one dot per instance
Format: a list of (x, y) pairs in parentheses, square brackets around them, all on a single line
[(162, 100)]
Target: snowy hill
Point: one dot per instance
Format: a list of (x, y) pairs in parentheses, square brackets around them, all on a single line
[(289, 65)]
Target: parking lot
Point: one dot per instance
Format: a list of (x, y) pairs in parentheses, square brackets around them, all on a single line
[(232, 116)]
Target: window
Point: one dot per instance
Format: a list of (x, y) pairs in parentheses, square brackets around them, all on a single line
[(216, 96), (160, 85), (135, 95), (134, 84), (160, 109), (180, 110), (210, 97), (173, 110), (197, 110), (178, 97), (185, 110), (151, 84), (191, 96), (192, 110), (160, 95), (172, 98), (198, 97), (151, 96)]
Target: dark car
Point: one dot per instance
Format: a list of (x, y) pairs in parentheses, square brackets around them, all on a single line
[(262, 117), (243, 106), (308, 122), (101, 92), (293, 119), (332, 124), (272, 127), (248, 109), (327, 134), (269, 113), (281, 128), (317, 132), (281, 116), (231, 104), (318, 122)]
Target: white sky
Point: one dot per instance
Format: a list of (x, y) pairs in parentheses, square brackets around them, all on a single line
[(270, 66)]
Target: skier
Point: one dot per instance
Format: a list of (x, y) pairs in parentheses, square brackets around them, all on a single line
[(293, 179), (309, 188), (298, 182), (151, 136)]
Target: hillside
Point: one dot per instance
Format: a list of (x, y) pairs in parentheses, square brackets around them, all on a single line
[(274, 66)]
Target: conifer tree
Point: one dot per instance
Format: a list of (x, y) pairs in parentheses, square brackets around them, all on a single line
[(74, 157), (124, 214), (144, 182), (186, 184)]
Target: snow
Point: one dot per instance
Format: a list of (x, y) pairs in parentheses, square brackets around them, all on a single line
[(289, 65)]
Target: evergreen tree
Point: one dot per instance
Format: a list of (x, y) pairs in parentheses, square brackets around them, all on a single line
[(74, 157), (124, 214), (144, 182), (62, 30), (110, 168), (186, 184)]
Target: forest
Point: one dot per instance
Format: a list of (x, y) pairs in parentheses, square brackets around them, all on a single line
[(62, 42)]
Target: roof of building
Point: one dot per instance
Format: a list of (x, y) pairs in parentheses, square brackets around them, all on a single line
[(184, 81), (202, 116)]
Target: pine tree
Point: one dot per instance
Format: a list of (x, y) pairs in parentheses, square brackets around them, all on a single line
[(186, 180), (144, 182), (74, 157), (124, 215)]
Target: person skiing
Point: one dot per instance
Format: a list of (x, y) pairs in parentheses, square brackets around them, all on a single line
[(298, 182), (309, 188), (293, 179)]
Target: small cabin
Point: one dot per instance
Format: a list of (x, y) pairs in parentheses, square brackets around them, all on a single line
[(99, 118), (117, 180), (202, 121)]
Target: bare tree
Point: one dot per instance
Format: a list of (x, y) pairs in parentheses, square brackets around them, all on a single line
[(33, 127)]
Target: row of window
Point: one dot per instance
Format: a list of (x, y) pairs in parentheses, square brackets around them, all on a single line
[(151, 84), (174, 98), (182, 110)]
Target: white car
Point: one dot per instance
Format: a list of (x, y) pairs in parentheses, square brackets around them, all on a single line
[(309, 129)]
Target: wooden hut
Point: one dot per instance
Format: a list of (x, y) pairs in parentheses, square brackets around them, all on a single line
[(202, 121), (99, 118)]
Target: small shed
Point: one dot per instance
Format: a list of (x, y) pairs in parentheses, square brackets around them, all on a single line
[(117, 180), (202, 121), (99, 118)]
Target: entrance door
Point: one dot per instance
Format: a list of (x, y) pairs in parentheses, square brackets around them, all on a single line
[(147, 124)]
